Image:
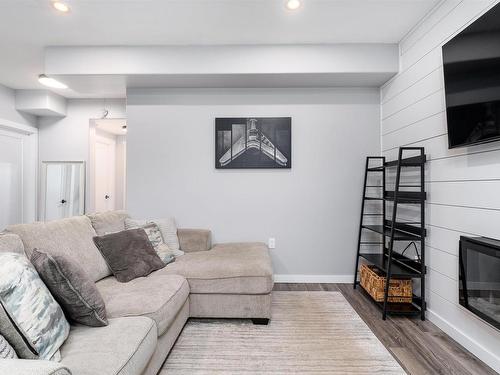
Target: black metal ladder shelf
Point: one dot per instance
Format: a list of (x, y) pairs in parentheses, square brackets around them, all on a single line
[(389, 261)]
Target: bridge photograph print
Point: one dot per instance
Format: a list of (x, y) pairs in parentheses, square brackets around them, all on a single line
[(253, 142)]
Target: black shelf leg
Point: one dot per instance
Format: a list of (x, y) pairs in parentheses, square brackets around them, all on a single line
[(422, 241), (360, 225), (391, 242)]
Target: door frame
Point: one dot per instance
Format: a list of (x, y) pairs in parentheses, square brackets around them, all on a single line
[(90, 203), (43, 183)]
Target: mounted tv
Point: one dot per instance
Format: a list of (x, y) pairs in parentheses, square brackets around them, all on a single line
[(471, 63)]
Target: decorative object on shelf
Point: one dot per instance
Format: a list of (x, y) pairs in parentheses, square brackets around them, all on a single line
[(373, 281), (390, 262), (254, 142), (479, 275)]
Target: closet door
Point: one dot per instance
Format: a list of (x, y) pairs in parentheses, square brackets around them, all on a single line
[(11, 178), (63, 190)]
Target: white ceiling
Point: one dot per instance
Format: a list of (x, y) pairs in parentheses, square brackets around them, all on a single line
[(27, 26)]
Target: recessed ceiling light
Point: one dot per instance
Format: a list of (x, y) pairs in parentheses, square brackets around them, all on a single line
[(293, 4), (51, 82), (61, 6)]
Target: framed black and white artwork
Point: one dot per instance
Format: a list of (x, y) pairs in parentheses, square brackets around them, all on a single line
[(253, 142)]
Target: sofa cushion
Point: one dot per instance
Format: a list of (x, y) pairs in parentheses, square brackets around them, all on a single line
[(108, 222), (11, 243), (232, 268), (159, 297), (123, 347), (71, 237), (32, 367)]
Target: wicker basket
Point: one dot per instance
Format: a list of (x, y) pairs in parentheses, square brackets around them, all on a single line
[(373, 281)]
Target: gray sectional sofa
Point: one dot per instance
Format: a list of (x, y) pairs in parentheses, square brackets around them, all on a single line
[(146, 315)]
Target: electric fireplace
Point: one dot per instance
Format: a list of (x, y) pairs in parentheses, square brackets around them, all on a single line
[(479, 267)]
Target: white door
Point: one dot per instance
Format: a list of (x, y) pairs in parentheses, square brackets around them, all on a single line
[(104, 175), (54, 200), (11, 178)]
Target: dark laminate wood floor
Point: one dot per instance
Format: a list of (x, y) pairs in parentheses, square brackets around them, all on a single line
[(420, 347)]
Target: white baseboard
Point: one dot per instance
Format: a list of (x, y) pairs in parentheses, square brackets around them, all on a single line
[(474, 347), (340, 279)]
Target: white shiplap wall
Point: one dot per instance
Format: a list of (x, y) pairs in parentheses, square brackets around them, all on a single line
[(463, 184)]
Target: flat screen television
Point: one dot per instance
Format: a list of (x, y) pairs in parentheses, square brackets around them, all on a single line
[(471, 63)]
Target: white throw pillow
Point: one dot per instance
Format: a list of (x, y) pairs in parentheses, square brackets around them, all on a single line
[(31, 307), (168, 230)]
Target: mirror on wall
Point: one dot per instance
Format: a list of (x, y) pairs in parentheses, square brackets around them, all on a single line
[(63, 189)]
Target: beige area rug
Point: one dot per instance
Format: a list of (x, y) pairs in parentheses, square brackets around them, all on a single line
[(310, 333)]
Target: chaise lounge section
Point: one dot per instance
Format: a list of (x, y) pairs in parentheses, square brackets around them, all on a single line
[(147, 314)]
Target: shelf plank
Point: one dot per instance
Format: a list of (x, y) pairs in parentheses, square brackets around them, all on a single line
[(397, 270), (414, 161), (398, 234), (403, 197), (398, 308), (406, 196)]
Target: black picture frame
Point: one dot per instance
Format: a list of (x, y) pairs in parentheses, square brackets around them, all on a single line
[(253, 143)]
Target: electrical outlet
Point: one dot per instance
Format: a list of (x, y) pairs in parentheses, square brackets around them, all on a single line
[(272, 243)]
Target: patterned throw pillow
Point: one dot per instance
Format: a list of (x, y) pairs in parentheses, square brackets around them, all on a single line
[(161, 248), (30, 307), (6, 351), (168, 230)]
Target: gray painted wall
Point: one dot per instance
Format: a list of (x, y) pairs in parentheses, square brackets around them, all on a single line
[(462, 184), (312, 210), (8, 108)]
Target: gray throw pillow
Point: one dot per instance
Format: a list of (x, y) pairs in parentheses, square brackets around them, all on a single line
[(31, 309), (6, 351), (72, 288), (129, 254)]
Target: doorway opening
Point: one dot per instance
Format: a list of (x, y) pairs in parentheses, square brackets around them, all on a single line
[(107, 164)]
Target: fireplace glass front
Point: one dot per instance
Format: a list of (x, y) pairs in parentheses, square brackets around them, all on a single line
[(479, 266)]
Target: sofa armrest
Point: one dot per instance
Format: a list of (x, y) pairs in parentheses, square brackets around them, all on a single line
[(192, 240), (32, 367)]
